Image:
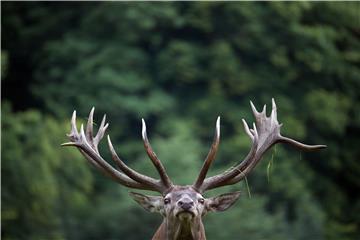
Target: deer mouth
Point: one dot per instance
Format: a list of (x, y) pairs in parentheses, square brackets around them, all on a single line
[(185, 214)]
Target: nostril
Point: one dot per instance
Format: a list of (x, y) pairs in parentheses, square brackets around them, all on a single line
[(186, 206)]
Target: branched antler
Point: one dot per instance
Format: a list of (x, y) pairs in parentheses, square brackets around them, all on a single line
[(88, 146), (264, 134)]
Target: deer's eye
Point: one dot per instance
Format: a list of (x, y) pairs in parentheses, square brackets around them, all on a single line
[(166, 200), (201, 200)]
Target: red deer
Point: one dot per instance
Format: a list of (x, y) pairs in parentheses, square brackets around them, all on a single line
[(183, 207)]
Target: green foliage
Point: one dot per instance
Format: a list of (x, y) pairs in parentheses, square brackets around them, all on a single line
[(322, 104), (180, 65), (45, 188)]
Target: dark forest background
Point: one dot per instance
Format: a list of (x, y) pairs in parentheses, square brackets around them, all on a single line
[(180, 65)]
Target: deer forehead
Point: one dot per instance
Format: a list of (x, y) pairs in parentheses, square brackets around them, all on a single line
[(183, 192)]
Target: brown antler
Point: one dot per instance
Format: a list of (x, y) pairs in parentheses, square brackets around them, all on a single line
[(210, 157), (157, 163), (88, 146), (264, 134)]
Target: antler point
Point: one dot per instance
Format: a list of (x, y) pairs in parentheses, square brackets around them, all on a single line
[(273, 103), (73, 118), (110, 145), (218, 122), (264, 110), (218, 127), (143, 132), (82, 133), (255, 112), (68, 144)]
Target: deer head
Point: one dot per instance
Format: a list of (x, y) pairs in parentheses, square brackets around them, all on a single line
[(183, 207)]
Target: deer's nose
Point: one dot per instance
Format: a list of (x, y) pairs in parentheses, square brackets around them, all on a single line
[(185, 204)]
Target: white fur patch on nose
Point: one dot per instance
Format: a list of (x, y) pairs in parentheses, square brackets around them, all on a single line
[(186, 198)]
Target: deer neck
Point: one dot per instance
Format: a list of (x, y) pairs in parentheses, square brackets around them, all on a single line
[(175, 229)]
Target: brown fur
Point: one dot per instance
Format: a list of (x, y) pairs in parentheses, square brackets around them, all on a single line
[(190, 232)]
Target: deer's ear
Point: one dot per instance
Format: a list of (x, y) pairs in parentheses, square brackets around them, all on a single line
[(149, 203), (222, 202)]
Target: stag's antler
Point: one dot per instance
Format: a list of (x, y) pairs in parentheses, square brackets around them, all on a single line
[(264, 134), (88, 146)]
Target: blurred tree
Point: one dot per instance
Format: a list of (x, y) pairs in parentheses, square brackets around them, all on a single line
[(180, 65)]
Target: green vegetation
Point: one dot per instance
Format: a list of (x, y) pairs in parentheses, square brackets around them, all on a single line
[(180, 65)]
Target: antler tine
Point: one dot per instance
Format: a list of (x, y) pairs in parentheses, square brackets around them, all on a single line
[(94, 141), (302, 146), (101, 131), (265, 133), (264, 110), (247, 130), (89, 126), (130, 172), (273, 115), (253, 108), (154, 159), (210, 157), (87, 145), (74, 130)]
